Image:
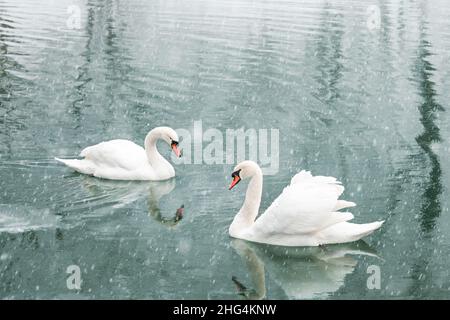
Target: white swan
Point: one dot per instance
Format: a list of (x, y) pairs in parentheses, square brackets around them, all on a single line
[(124, 160), (304, 214)]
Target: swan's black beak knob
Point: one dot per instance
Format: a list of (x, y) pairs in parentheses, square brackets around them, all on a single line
[(236, 179), (175, 148)]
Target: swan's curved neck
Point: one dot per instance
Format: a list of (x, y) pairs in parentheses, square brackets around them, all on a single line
[(250, 208), (154, 157)]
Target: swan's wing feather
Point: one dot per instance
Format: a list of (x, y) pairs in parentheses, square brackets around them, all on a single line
[(307, 205), (118, 153), (306, 177)]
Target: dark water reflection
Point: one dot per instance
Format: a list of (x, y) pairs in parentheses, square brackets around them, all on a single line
[(366, 106), (431, 205)]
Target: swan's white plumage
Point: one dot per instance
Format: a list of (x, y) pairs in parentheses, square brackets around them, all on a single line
[(121, 154), (304, 214), (306, 205)]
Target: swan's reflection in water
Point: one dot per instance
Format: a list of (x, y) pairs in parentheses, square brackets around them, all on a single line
[(122, 193), (303, 273)]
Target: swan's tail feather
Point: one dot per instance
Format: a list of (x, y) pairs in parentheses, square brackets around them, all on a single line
[(342, 204), (75, 164), (367, 228), (348, 232), (68, 162)]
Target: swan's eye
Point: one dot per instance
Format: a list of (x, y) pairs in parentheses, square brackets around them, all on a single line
[(174, 143)]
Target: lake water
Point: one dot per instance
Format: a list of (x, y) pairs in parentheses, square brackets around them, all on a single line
[(356, 97)]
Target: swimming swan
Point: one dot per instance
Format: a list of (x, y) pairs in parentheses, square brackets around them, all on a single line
[(124, 160), (304, 214)]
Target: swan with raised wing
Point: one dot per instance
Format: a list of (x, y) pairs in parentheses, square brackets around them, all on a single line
[(306, 213), (125, 160)]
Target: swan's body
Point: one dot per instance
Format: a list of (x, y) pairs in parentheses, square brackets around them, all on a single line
[(124, 160), (305, 214)]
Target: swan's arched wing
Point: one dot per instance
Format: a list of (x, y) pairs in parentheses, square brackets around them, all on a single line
[(308, 204), (122, 154)]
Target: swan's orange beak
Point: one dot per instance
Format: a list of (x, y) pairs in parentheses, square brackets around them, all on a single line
[(175, 148), (235, 181)]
